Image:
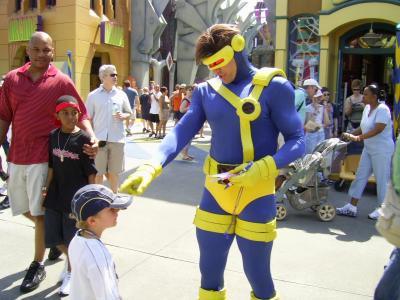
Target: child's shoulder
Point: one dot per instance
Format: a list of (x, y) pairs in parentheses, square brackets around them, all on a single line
[(54, 131), (82, 136)]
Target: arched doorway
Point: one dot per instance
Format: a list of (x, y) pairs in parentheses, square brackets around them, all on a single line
[(99, 59), (367, 53)]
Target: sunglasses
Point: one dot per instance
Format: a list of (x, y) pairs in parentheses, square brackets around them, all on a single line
[(356, 89), (327, 94), (113, 75)]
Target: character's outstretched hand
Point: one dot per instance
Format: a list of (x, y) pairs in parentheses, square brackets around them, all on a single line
[(250, 173), (139, 181)]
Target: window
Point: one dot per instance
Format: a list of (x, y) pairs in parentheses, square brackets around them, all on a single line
[(304, 44), (33, 4), (114, 8), (51, 3), (371, 38), (18, 5), (104, 6)]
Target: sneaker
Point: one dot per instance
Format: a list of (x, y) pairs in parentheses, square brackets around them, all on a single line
[(65, 286), (3, 175), (54, 253), (348, 210), (5, 203), (35, 275), (374, 215)]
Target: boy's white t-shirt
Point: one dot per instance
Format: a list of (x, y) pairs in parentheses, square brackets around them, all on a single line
[(93, 273)]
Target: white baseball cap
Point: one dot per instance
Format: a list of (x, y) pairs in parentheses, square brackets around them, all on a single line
[(318, 94), (311, 82)]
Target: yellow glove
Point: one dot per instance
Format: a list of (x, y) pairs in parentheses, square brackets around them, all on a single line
[(138, 182), (249, 175)]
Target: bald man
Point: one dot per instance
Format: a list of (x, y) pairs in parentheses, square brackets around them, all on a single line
[(27, 101)]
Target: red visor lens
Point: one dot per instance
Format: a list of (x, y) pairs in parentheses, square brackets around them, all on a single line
[(216, 63)]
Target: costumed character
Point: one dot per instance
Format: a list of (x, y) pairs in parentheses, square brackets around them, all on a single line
[(246, 109)]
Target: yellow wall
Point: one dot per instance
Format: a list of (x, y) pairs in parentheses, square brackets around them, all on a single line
[(364, 11), (281, 34), (332, 27), (73, 26), (335, 25)]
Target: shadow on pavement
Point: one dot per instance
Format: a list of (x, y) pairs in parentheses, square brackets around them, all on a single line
[(347, 229), (182, 182)]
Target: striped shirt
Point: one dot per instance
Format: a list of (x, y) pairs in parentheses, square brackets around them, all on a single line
[(30, 106)]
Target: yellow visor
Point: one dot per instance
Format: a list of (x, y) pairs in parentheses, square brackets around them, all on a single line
[(219, 59)]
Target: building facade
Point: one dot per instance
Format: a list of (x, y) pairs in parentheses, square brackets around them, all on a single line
[(336, 41), (91, 32)]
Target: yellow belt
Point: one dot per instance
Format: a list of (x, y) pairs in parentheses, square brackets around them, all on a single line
[(235, 198)]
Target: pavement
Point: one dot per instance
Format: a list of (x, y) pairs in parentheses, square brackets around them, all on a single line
[(156, 253)]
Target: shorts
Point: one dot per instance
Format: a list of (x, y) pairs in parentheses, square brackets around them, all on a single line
[(110, 158), (164, 115), (154, 118), (25, 188), (59, 228), (177, 115)]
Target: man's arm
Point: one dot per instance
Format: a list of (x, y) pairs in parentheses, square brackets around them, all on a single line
[(4, 126), (91, 179), (280, 97)]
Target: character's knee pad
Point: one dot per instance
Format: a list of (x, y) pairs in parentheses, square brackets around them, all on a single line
[(253, 297), (258, 232), (212, 295), (214, 222)]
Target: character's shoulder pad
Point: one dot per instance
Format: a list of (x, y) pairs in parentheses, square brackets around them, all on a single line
[(265, 75)]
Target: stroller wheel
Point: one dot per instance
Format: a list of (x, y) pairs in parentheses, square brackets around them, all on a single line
[(326, 212), (281, 212)]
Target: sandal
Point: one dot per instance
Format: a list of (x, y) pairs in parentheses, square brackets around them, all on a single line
[(187, 158)]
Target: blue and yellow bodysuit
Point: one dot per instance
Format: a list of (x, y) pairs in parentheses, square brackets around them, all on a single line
[(245, 117)]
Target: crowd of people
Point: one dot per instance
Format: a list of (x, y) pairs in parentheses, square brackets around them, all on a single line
[(62, 149)]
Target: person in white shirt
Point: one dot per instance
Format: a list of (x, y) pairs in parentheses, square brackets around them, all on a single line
[(95, 208), (316, 119), (376, 129), (108, 107), (155, 95)]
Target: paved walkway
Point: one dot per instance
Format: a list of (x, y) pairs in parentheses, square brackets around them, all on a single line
[(156, 253)]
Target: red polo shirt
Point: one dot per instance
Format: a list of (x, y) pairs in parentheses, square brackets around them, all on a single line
[(30, 106)]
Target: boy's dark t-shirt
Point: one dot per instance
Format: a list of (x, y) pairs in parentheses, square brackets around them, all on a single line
[(70, 174)]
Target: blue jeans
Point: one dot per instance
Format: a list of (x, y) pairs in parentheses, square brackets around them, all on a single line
[(389, 286)]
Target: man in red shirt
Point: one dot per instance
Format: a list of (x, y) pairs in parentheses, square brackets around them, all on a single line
[(27, 102)]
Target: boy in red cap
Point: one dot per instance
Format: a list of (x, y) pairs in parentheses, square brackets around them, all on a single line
[(69, 170)]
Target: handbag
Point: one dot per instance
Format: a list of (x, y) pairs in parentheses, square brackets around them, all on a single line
[(388, 224)]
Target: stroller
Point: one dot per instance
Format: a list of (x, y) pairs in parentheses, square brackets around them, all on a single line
[(303, 187)]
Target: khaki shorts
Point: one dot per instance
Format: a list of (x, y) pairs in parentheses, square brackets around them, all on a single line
[(110, 158), (25, 188)]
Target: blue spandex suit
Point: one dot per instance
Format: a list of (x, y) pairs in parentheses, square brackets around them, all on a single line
[(220, 216)]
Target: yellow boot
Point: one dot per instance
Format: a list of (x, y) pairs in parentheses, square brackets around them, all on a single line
[(253, 297), (212, 295)]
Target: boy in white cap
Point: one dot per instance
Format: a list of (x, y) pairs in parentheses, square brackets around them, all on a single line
[(95, 208)]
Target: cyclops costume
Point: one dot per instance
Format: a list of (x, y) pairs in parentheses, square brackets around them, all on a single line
[(245, 117)]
